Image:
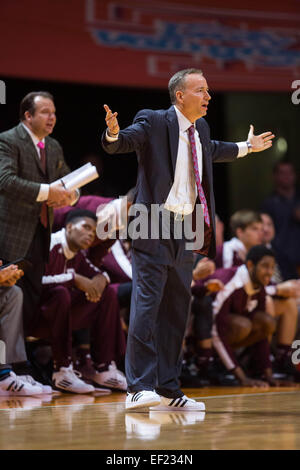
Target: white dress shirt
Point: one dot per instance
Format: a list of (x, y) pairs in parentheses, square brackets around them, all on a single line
[(44, 188), (183, 193)]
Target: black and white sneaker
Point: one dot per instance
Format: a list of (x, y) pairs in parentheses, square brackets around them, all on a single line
[(112, 378), (12, 385), (143, 399), (179, 404), (68, 380), (45, 388)]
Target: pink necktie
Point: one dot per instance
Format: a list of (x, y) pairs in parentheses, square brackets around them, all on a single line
[(191, 132), (44, 208), (41, 146)]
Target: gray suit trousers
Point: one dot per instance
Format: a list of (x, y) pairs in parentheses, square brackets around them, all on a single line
[(11, 324), (161, 294)]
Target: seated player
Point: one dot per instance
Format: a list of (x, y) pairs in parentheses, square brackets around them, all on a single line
[(248, 228), (240, 317), (77, 295), (104, 208), (107, 252), (286, 295)]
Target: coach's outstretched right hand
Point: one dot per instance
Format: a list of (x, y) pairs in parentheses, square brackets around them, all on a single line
[(111, 122)]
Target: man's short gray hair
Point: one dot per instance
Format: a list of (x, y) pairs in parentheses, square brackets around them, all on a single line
[(177, 82)]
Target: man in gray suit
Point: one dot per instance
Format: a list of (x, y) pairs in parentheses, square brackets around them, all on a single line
[(175, 155), (30, 163)]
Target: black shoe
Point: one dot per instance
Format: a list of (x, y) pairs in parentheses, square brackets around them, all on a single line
[(23, 368), (40, 356), (287, 369), (213, 372), (38, 373), (188, 377), (43, 374), (191, 381), (224, 379)]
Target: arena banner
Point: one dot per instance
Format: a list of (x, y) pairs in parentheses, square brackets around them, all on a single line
[(143, 42)]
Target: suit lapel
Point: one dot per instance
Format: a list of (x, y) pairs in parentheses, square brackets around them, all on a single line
[(28, 145), (173, 129), (206, 162)]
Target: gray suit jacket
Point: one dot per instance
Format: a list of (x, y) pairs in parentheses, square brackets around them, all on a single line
[(20, 178)]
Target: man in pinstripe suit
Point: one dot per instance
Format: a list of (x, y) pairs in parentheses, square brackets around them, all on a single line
[(30, 161)]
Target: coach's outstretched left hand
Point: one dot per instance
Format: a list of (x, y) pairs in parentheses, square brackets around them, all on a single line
[(260, 142)]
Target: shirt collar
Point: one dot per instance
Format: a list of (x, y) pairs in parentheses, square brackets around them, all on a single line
[(69, 254), (246, 281), (183, 121), (35, 139)]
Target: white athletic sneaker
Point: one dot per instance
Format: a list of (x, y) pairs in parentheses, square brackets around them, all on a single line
[(14, 386), (142, 399), (179, 404), (30, 380), (68, 380), (111, 378)]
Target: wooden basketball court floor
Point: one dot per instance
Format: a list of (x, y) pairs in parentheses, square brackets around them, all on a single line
[(235, 418)]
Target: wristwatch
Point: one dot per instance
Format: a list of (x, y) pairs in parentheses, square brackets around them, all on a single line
[(249, 146)]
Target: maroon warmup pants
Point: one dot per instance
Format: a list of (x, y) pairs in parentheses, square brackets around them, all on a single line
[(63, 310)]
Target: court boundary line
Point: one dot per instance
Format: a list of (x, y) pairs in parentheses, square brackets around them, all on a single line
[(123, 403), (247, 394)]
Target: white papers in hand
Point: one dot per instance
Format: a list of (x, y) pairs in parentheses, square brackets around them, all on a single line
[(78, 178)]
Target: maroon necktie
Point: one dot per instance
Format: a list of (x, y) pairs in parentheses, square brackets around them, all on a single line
[(191, 132), (44, 208)]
